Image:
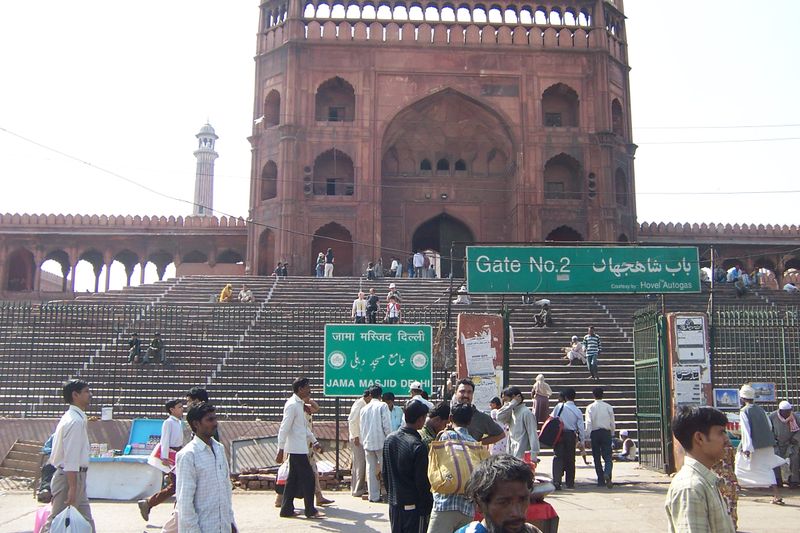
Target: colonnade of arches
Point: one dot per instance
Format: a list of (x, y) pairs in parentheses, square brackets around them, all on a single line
[(540, 15), (92, 270), (769, 270)]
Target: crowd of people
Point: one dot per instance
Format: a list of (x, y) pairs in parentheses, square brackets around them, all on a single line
[(196, 465), (391, 447), (365, 307)]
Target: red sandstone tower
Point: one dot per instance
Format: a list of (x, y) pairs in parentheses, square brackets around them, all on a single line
[(410, 126)]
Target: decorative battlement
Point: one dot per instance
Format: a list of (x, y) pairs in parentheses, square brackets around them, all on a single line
[(547, 25), (647, 229), (16, 219)]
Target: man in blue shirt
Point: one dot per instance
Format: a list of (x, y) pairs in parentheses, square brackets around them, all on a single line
[(451, 511), (395, 413)]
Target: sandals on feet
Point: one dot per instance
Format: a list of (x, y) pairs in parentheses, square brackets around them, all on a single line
[(778, 501)]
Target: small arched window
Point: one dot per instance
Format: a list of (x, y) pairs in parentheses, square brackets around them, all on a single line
[(425, 165), (443, 164), (617, 121), (461, 165), (272, 109), (560, 107)]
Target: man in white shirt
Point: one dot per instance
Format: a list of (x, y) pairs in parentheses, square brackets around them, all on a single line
[(359, 311), (245, 295), (358, 461), (70, 454), (204, 490), (600, 427), (415, 388), (294, 437), (171, 440), (375, 427), (419, 264)]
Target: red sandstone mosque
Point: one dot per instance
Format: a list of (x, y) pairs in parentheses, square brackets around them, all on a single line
[(382, 128)]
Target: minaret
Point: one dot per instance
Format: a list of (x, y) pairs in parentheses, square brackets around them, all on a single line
[(204, 180)]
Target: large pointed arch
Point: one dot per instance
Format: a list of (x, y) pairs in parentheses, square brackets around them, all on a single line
[(441, 234), (340, 240), (451, 125)]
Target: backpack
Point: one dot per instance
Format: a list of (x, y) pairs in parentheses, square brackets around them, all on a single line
[(552, 429)]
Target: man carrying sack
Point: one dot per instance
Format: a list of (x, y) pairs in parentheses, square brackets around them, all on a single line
[(448, 476)]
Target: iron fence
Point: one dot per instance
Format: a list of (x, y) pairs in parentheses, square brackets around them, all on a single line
[(42, 346), (757, 344)]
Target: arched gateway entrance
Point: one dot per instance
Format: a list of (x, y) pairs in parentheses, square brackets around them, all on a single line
[(339, 239), (438, 234)]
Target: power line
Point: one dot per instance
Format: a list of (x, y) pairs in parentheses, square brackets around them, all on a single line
[(774, 139), (717, 127), (521, 188), (261, 224)]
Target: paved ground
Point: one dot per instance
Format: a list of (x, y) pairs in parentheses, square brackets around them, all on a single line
[(636, 504)]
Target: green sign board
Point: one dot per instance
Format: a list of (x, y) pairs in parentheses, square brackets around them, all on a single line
[(582, 270), (392, 356)]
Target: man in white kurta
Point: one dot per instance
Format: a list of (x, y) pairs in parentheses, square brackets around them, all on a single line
[(375, 427), (755, 458), (358, 467)]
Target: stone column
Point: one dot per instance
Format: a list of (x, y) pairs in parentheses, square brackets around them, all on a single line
[(3, 270), (64, 274), (141, 276), (73, 270), (37, 277), (108, 275)]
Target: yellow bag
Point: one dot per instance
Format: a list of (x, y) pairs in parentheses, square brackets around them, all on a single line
[(451, 462)]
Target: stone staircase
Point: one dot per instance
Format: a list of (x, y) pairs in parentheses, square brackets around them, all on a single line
[(24, 459), (247, 354)]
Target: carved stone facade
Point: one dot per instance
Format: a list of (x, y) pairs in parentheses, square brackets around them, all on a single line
[(380, 131)]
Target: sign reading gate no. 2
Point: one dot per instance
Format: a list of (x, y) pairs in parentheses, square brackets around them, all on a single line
[(392, 356), (582, 269)]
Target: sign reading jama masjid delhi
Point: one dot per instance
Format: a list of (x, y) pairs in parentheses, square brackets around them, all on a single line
[(582, 269)]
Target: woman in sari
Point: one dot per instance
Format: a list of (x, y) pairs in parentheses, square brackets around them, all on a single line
[(541, 393)]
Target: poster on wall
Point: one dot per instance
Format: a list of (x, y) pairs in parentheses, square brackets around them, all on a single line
[(486, 388), (726, 399), (479, 350), (688, 387), (479, 354), (765, 392), (690, 336)]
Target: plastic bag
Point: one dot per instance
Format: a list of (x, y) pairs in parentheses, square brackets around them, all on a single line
[(280, 479), (42, 514), (70, 520), (172, 524)]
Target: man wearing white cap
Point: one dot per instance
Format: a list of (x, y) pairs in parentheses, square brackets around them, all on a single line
[(629, 450), (786, 427), (755, 458), (393, 292), (416, 394)]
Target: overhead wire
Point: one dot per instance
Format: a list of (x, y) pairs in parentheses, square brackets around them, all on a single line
[(249, 220)]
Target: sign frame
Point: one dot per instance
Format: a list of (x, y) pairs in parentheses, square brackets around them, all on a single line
[(541, 264), (422, 374)]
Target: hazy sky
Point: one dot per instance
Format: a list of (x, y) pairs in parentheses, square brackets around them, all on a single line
[(125, 86)]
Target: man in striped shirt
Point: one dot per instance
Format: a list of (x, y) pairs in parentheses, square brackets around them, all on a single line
[(591, 341)]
